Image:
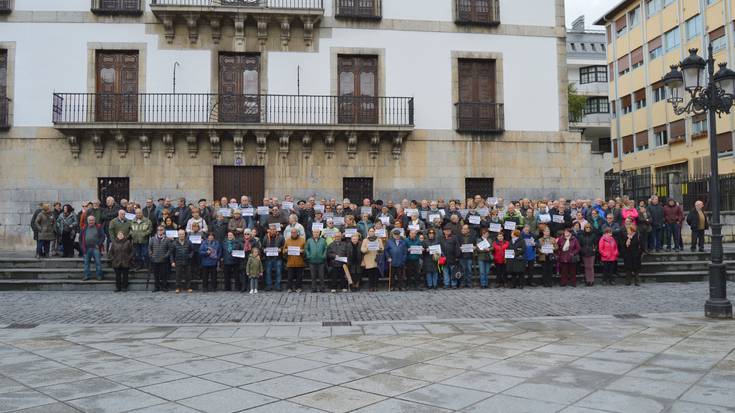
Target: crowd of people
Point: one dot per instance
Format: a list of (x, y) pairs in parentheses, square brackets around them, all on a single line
[(414, 244)]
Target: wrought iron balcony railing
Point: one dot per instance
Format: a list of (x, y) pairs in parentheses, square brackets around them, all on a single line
[(267, 4), (4, 113), (117, 6), (480, 117), (359, 9), (482, 12), (203, 108), (6, 6)]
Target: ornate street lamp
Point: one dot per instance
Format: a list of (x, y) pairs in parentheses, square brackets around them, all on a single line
[(714, 96)]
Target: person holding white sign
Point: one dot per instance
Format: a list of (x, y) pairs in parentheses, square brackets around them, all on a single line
[(512, 215), (237, 223), (272, 244), (231, 262), (210, 252), (413, 264), (430, 259), (484, 249), (467, 241), (181, 256), (337, 253), (293, 248), (547, 257), (316, 256), (500, 246), (516, 263), (371, 247)]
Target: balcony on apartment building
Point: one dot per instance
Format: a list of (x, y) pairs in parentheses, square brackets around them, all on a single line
[(359, 9), (479, 117), (477, 12), (219, 111), (131, 7)]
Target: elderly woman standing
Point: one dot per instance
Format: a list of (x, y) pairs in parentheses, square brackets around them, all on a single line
[(121, 255), (46, 225), (371, 247), (568, 258), (67, 226), (631, 251)]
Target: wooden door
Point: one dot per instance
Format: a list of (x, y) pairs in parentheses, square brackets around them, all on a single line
[(476, 108), (236, 181), (476, 11), (357, 189), (4, 103), (478, 186), (118, 188), (358, 89), (239, 88), (117, 86)]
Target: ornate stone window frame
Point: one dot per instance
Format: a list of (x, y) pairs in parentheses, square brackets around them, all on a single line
[(460, 54), (93, 47), (10, 88)]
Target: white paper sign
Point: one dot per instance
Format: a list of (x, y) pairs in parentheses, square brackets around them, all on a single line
[(276, 225), (226, 212), (319, 208), (247, 212), (464, 212), (385, 220), (373, 245), (341, 259), (366, 211), (544, 218), (475, 219), (434, 217), (495, 227), (483, 212), (380, 233), (510, 254), (294, 251), (338, 220), (287, 205), (414, 227), (559, 219), (492, 201), (403, 233), (412, 212), (349, 232), (328, 215), (329, 232), (232, 205), (442, 212), (466, 248), (172, 233), (415, 250), (530, 242), (547, 249), (195, 239), (509, 225), (483, 245), (263, 210), (435, 249), (317, 226), (238, 253), (424, 214), (271, 252), (130, 217)]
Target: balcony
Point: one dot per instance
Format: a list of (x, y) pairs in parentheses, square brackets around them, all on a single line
[(131, 7), (477, 12), (239, 13), (6, 6), (482, 118), (4, 113), (359, 9), (214, 115)]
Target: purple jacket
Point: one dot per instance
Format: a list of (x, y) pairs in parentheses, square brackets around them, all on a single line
[(566, 256)]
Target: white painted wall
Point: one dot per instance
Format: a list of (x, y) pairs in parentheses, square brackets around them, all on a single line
[(528, 12), (418, 64)]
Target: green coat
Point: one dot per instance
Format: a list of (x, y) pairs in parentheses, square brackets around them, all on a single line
[(116, 226), (141, 231), (316, 251), (254, 267)]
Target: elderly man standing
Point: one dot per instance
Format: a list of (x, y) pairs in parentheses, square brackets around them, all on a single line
[(293, 223), (316, 255), (699, 223), (338, 253), (293, 248), (396, 250), (91, 239), (141, 228), (119, 224)]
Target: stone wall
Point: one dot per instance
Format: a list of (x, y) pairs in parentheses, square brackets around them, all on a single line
[(36, 166)]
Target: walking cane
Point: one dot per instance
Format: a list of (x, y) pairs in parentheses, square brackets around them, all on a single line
[(148, 279), (348, 276), (390, 276)]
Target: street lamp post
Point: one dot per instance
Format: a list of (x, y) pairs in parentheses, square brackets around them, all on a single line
[(714, 97)]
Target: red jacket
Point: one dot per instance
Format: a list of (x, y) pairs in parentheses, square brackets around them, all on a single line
[(608, 248), (499, 251), (673, 214)]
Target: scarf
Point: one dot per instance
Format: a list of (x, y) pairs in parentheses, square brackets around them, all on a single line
[(566, 245), (247, 244)]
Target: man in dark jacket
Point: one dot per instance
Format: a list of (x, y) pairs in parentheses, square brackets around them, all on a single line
[(699, 223), (467, 241), (109, 212), (159, 251), (396, 251), (34, 228), (673, 217), (338, 253), (181, 254), (91, 239), (272, 244), (451, 252), (657, 223), (149, 211)]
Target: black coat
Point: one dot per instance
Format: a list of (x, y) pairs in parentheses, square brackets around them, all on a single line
[(587, 244), (518, 264), (181, 254), (693, 219), (631, 253), (657, 215)]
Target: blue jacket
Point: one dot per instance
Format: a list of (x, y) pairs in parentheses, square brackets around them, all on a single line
[(397, 253), (530, 253), (210, 260)]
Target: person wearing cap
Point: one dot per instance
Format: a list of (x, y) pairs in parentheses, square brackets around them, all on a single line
[(396, 252), (451, 251), (413, 261), (338, 253), (237, 223), (329, 231), (273, 262)]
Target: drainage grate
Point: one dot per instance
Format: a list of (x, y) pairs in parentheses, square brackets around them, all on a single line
[(336, 323), (627, 316), (21, 326)]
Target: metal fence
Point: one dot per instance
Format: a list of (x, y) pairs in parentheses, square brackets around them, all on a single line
[(684, 188), (202, 108), (269, 4)]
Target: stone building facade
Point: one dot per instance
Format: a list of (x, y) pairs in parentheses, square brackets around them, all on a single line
[(203, 98)]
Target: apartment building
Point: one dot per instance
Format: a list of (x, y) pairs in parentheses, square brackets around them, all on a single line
[(644, 38), (341, 98)]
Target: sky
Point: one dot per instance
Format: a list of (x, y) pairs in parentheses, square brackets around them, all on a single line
[(592, 10)]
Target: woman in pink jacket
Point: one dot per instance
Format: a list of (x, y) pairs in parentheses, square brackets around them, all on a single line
[(608, 249), (630, 211)]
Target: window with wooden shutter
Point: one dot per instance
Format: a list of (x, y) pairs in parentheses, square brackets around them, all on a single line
[(678, 131), (628, 144), (660, 135), (478, 186), (477, 109), (608, 29), (117, 86), (641, 140), (611, 72), (623, 65), (358, 89), (724, 142), (625, 104), (636, 57), (359, 9), (6, 6), (117, 6), (615, 148), (620, 25), (239, 88), (477, 12), (356, 189), (4, 101), (639, 98), (717, 39)]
